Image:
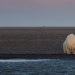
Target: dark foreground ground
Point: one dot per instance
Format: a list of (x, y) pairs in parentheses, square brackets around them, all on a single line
[(26, 41), (37, 56)]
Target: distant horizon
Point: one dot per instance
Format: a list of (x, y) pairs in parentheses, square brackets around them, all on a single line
[(37, 13), (33, 26)]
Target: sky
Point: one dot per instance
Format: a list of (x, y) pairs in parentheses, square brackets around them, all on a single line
[(37, 13)]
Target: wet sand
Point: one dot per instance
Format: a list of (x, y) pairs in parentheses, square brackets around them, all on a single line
[(33, 40)]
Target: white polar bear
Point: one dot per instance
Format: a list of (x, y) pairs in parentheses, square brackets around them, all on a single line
[(69, 44)]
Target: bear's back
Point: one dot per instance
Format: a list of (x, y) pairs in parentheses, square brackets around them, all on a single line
[(70, 40)]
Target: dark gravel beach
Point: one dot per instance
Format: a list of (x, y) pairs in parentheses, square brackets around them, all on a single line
[(34, 40)]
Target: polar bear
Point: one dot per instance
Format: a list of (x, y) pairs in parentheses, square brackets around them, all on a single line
[(69, 44)]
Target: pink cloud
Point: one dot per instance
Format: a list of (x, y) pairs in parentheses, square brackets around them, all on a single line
[(39, 1), (52, 2), (16, 3)]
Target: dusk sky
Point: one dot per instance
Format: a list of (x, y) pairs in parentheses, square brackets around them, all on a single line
[(38, 13)]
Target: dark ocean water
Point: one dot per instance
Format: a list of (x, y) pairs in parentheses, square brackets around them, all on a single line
[(37, 67)]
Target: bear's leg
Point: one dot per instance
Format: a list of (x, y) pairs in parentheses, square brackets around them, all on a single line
[(68, 50), (64, 47), (73, 51), (65, 50)]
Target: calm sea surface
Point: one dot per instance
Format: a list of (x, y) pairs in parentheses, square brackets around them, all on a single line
[(37, 67)]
